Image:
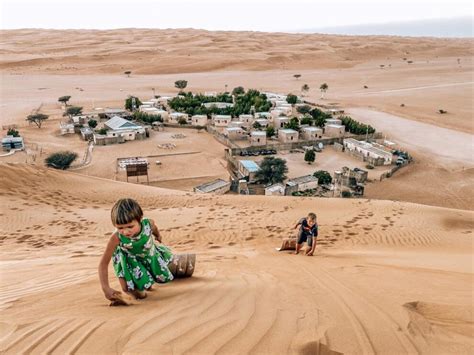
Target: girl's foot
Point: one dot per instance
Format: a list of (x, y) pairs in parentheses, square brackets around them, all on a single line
[(139, 295)]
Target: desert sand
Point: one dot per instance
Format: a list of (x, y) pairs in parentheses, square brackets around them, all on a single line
[(392, 273)]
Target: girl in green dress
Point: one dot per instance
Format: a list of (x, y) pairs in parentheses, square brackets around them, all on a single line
[(138, 262)]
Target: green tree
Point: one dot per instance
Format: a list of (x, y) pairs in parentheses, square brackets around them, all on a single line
[(324, 87), (73, 111), (61, 160), (182, 121), (92, 124), (309, 156), (297, 76), (13, 132), (239, 90), (127, 73), (291, 99), (272, 170), (293, 124), (64, 99), (37, 118), (129, 103), (319, 117), (270, 131), (257, 126), (180, 84), (305, 88), (303, 109), (323, 176), (307, 120), (102, 131)]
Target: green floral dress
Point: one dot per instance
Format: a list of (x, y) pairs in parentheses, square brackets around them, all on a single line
[(140, 261)]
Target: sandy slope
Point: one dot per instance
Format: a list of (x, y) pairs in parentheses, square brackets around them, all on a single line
[(388, 277)]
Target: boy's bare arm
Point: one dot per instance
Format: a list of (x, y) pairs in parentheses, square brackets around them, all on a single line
[(104, 264), (155, 230)]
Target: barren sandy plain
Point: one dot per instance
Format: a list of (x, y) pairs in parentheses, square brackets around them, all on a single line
[(388, 276)]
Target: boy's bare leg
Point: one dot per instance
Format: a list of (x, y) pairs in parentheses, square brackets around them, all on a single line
[(298, 247)]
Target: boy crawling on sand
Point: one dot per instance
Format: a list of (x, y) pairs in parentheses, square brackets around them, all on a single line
[(138, 262), (308, 233)]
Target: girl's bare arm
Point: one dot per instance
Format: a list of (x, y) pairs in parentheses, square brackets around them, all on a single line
[(155, 230), (104, 264)]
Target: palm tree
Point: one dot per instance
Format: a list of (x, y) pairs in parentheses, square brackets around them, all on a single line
[(324, 87)]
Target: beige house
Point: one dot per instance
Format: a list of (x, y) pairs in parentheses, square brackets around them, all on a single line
[(199, 120), (174, 117), (279, 122), (217, 187), (334, 130), (368, 151), (301, 183), (287, 135), (258, 138), (312, 133), (222, 120), (234, 133), (236, 124), (262, 122), (246, 119)]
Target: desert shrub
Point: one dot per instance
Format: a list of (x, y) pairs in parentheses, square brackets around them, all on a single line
[(369, 166), (323, 176), (13, 132), (61, 160), (346, 194)]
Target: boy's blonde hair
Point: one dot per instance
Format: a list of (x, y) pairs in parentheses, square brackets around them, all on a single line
[(312, 216), (125, 211)]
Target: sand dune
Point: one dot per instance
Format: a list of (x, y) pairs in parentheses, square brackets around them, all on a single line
[(387, 277)]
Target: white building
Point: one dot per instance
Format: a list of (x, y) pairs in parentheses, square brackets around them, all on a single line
[(287, 135), (333, 121), (262, 122), (199, 120), (217, 187), (368, 151), (266, 115), (312, 133), (258, 138), (120, 127), (221, 120), (275, 190), (334, 130), (234, 133), (301, 183), (236, 124), (218, 104)]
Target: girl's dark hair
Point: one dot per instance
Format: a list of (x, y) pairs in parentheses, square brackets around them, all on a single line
[(125, 211)]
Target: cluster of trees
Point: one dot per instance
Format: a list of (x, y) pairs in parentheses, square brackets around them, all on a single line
[(309, 156), (146, 117), (356, 127), (291, 99), (272, 171), (245, 102), (13, 132), (323, 176), (294, 124), (130, 101)]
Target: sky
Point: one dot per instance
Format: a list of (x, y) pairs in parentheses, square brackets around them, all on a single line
[(250, 15)]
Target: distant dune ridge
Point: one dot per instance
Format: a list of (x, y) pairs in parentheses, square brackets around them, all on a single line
[(184, 50), (457, 27)]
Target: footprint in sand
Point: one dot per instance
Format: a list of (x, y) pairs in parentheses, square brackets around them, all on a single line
[(214, 246), (249, 238)]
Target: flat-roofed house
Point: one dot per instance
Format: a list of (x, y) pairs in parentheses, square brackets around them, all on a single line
[(221, 120), (263, 122), (174, 117), (287, 135), (10, 142), (218, 104), (217, 187), (280, 121), (301, 183), (263, 115), (311, 133), (368, 152), (333, 121), (236, 124), (246, 119), (234, 133), (258, 138), (334, 130), (248, 169), (199, 120)]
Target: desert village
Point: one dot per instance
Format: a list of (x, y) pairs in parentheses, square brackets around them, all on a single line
[(383, 157), (286, 131)]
